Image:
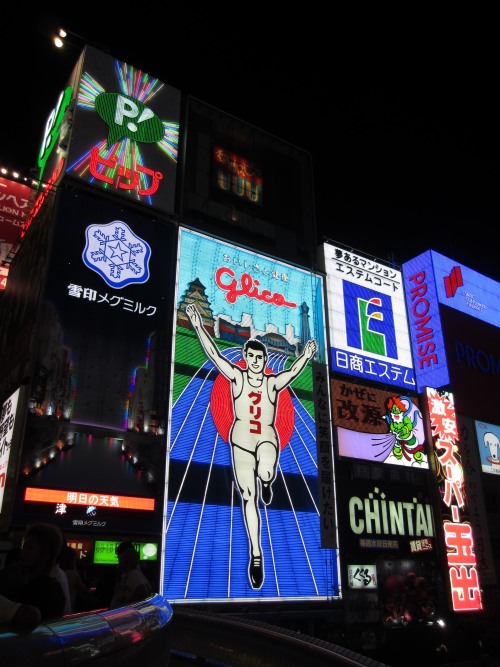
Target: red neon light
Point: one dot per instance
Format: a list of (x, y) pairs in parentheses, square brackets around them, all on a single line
[(131, 177), (249, 287), (453, 282), (43, 196), (459, 540), (454, 476), (35, 495)]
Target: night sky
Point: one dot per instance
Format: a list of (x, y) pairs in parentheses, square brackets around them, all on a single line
[(398, 110)]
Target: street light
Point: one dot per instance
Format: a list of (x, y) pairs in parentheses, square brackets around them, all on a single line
[(61, 39)]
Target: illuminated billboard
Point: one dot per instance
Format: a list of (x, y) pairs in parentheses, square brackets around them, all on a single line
[(466, 290), (14, 208), (488, 440), (243, 511), (463, 584), (472, 352), (125, 131), (387, 527), (440, 293), (105, 551), (236, 175), (53, 150), (7, 420), (367, 315), (477, 502), (240, 182), (384, 515), (362, 576), (94, 452), (380, 426)]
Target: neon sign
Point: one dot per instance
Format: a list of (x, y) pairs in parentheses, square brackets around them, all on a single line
[(53, 126), (125, 131), (126, 178), (43, 196), (237, 175), (249, 287), (458, 537)]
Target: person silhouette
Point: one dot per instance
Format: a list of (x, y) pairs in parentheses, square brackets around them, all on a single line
[(132, 584), (80, 595), (41, 546), (253, 437)]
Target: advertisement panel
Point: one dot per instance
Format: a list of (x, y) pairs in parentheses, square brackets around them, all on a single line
[(125, 131), (368, 322), (476, 496), (488, 440), (53, 150), (94, 454), (240, 182), (362, 576), (235, 174), (243, 511), (382, 516), (466, 290), (473, 353), (431, 366), (7, 421), (11, 431), (105, 551), (326, 473), (432, 281), (14, 208), (463, 582), (376, 425), (387, 524)]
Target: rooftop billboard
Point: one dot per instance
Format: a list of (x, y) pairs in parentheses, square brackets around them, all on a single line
[(454, 318), (125, 131)]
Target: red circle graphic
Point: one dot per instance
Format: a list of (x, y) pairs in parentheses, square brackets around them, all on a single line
[(221, 405)]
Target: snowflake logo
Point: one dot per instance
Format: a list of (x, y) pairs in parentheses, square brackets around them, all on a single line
[(116, 254)]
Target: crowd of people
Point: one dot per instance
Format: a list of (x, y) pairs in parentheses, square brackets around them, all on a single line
[(40, 580)]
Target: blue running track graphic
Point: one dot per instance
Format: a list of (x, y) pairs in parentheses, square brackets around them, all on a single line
[(206, 547)]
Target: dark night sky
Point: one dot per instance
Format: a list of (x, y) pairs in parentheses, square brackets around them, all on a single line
[(399, 111)]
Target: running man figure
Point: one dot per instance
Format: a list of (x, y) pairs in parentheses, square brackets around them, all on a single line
[(253, 436)]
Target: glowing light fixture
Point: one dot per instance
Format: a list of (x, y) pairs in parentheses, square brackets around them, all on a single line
[(60, 37), (65, 37)]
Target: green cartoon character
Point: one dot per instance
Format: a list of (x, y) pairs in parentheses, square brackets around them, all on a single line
[(405, 423)]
